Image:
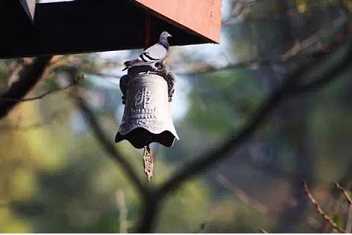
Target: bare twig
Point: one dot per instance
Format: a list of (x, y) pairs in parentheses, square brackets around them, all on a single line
[(22, 128), (296, 52), (41, 96), (320, 211), (241, 195), (349, 213), (344, 193), (29, 76)]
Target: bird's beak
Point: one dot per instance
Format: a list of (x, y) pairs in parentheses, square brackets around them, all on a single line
[(169, 35)]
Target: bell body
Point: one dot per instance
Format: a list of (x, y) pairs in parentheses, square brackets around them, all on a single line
[(147, 114)]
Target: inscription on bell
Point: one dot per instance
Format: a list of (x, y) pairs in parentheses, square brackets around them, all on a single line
[(143, 98), (142, 105), (147, 115)]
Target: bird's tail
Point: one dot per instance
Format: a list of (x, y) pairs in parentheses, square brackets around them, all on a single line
[(129, 63)]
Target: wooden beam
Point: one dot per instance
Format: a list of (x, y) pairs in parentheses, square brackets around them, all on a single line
[(29, 7), (82, 26), (202, 17)]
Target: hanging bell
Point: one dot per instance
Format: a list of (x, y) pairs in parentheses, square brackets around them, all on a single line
[(147, 114)]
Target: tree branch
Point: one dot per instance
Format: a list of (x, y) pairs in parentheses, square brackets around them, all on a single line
[(345, 194), (29, 76), (320, 211), (41, 96), (288, 89), (197, 166), (108, 147)]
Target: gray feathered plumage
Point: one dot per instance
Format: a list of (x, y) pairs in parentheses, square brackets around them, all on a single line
[(152, 55)]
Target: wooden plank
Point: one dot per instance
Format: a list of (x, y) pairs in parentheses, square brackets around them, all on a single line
[(80, 27), (201, 16), (29, 7)]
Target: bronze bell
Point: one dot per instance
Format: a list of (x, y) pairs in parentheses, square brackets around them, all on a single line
[(147, 115)]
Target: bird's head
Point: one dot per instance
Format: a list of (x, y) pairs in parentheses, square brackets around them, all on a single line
[(165, 35)]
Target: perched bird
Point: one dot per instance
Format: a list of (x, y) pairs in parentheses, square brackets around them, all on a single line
[(152, 55)]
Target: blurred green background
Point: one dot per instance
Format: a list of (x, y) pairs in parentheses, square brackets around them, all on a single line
[(54, 177)]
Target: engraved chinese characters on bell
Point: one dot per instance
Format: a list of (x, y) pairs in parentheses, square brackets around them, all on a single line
[(147, 114)]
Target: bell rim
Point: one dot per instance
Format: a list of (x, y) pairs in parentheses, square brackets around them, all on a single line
[(155, 136)]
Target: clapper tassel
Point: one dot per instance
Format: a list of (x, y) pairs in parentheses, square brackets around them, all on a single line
[(148, 163)]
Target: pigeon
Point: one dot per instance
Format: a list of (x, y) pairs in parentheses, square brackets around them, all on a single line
[(152, 55)]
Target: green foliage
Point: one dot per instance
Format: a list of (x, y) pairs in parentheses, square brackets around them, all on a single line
[(186, 210), (224, 93), (228, 216)]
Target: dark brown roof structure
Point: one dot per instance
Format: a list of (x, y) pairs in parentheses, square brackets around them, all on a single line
[(30, 29)]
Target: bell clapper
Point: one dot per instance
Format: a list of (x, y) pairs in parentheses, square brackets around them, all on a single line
[(148, 162)]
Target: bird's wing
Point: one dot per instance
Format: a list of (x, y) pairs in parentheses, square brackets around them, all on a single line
[(155, 53), (151, 55)]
